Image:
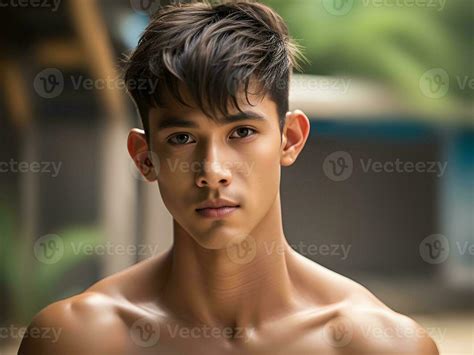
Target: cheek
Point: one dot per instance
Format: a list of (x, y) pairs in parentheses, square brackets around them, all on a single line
[(264, 176), (167, 191), (174, 168), (173, 181)]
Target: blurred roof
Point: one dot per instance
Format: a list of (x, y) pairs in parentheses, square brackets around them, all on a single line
[(357, 99)]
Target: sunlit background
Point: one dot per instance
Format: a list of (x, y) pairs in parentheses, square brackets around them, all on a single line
[(382, 193)]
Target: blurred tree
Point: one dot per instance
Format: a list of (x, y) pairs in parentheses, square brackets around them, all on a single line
[(395, 44)]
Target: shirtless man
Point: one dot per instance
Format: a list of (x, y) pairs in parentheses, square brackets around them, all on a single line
[(230, 284)]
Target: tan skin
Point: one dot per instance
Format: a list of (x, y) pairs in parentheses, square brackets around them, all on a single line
[(229, 285)]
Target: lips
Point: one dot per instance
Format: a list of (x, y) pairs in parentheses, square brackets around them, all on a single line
[(217, 212), (217, 208), (217, 203)]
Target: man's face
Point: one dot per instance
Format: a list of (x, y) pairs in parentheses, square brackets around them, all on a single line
[(237, 160)]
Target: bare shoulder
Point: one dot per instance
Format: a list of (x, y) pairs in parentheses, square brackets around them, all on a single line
[(360, 323), (379, 329), (96, 321), (83, 324), (367, 329)]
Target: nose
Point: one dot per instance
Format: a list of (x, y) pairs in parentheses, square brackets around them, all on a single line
[(213, 172)]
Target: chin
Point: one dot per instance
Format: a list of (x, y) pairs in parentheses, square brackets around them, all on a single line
[(214, 241), (218, 239)]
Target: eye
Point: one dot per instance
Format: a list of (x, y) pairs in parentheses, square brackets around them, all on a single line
[(245, 131), (181, 139)]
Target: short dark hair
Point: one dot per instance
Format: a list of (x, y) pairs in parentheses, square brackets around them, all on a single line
[(215, 50)]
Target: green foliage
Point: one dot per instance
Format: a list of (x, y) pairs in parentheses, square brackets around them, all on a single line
[(392, 44), (32, 284)]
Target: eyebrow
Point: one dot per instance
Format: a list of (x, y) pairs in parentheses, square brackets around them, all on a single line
[(171, 121)]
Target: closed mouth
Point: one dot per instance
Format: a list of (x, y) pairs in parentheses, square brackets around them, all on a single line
[(217, 212), (216, 208)]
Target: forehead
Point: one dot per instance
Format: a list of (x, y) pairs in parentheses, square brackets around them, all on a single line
[(260, 105)]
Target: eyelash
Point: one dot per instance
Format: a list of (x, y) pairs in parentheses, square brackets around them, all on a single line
[(186, 134)]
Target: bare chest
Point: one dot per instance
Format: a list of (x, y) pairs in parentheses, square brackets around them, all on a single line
[(281, 339)]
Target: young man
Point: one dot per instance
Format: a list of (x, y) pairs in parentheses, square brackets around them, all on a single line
[(230, 284)]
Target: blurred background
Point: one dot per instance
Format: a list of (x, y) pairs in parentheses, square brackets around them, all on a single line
[(382, 193)]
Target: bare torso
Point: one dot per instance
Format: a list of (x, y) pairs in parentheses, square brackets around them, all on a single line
[(123, 314)]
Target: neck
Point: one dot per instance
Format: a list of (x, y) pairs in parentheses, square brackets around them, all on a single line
[(218, 290)]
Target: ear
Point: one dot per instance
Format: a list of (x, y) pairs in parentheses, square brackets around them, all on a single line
[(294, 136), (141, 154)]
